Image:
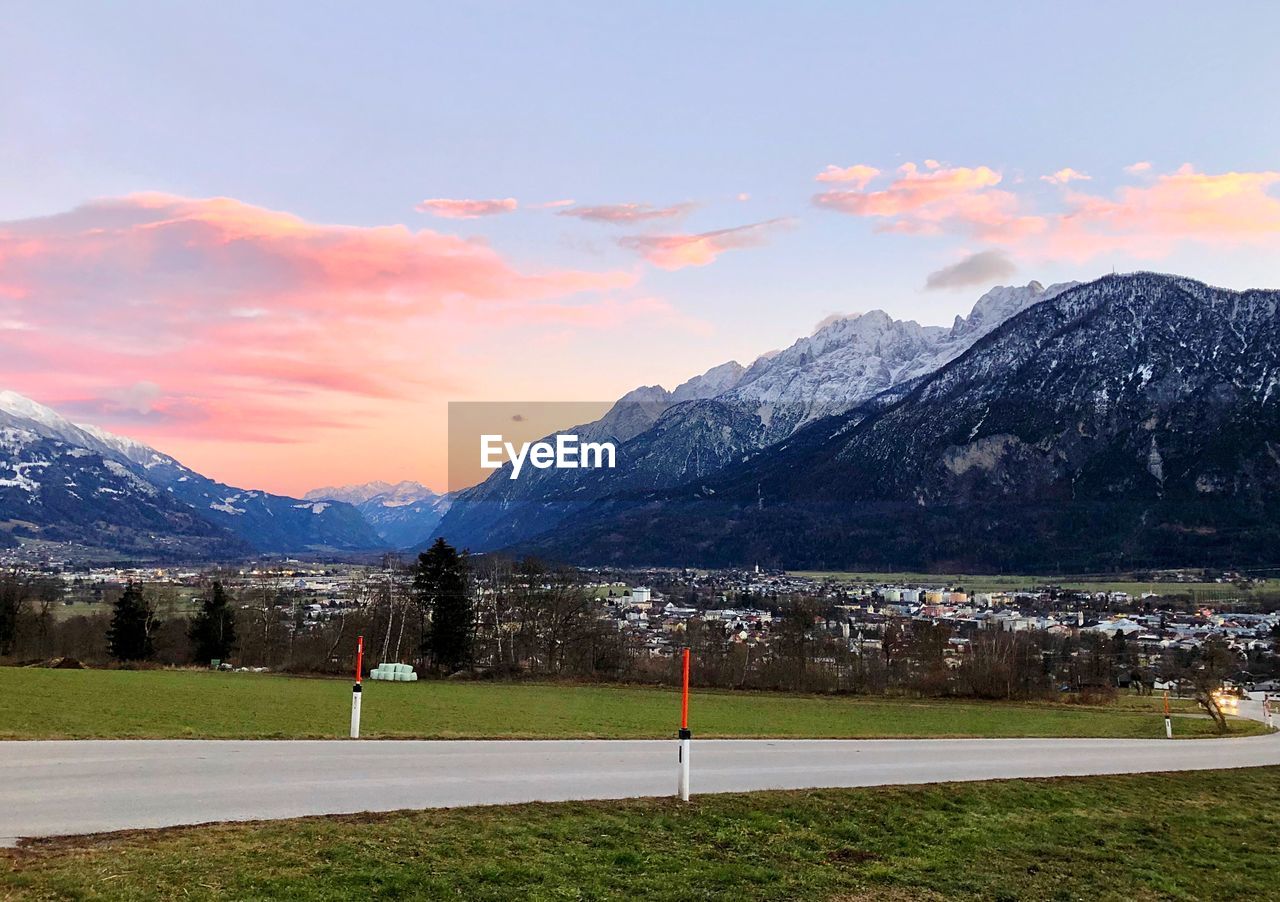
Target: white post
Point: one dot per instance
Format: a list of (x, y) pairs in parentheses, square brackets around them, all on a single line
[(356, 691), (686, 736), (1168, 727), (686, 742)]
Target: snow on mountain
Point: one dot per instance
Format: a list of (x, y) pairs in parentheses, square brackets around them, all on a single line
[(122, 467), (23, 407), (667, 438), (403, 492), (403, 515), (713, 383), (56, 491), (853, 359), (1126, 422)]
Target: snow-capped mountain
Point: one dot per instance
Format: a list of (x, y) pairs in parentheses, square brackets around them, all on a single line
[(855, 358), (399, 492), (56, 491), (403, 515), (668, 438), (1133, 421), (234, 520)]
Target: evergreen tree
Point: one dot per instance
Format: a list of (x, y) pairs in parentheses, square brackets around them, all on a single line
[(132, 626), (441, 590), (213, 630)]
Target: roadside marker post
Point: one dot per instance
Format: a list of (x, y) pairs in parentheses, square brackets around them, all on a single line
[(356, 690), (685, 736), (1168, 720)]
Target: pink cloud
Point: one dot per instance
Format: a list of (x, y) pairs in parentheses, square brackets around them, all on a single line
[(858, 174), (1147, 220), (1224, 209), (679, 251), (1064, 176), (451, 208), (213, 318), (627, 214), (936, 200)]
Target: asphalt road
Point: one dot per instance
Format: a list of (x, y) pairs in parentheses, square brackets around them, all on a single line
[(87, 786)]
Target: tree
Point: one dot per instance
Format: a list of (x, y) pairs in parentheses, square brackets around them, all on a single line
[(213, 629), (132, 625), (1206, 673), (14, 598), (441, 590)]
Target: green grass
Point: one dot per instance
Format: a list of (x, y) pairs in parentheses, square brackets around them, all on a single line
[(73, 704), (978, 582), (1207, 835)]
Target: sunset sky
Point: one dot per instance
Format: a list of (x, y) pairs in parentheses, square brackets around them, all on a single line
[(275, 240)]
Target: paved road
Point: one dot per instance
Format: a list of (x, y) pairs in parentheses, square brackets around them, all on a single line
[(55, 788)]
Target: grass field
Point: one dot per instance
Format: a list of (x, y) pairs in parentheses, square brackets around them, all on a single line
[(978, 582), (1207, 835), (74, 704)]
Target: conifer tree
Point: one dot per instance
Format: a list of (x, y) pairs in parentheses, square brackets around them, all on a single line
[(213, 629), (442, 592), (133, 623)]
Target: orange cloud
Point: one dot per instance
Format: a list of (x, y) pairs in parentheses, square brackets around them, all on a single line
[(936, 200), (1226, 209), (1147, 220), (451, 208), (858, 174), (1063, 176), (627, 214), (679, 251), (241, 321)]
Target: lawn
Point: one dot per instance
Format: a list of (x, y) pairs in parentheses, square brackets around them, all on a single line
[(977, 582), (38, 703), (1205, 835)]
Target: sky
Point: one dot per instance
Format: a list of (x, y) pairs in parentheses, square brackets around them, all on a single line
[(276, 240)]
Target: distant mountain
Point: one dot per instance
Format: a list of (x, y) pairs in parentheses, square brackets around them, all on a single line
[(856, 358), (171, 511), (1131, 421), (403, 515), (56, 491), (729, 413)]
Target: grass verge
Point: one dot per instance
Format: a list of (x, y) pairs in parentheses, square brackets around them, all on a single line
[(79, 704), (1205, 835)]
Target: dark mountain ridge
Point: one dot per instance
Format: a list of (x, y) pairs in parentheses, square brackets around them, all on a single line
[(66, 482), (1129, 421)]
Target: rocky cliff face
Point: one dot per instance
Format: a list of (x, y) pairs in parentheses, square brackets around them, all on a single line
[(730, 413), (1132, 420)]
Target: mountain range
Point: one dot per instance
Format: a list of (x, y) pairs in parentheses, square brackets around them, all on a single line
[(404, 515), (1131, 421), (730, 412), (1127, 422), (79, 485)]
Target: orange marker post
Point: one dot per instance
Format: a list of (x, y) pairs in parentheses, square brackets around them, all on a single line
[(1168, 719), (356, 690), (685, 736)]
